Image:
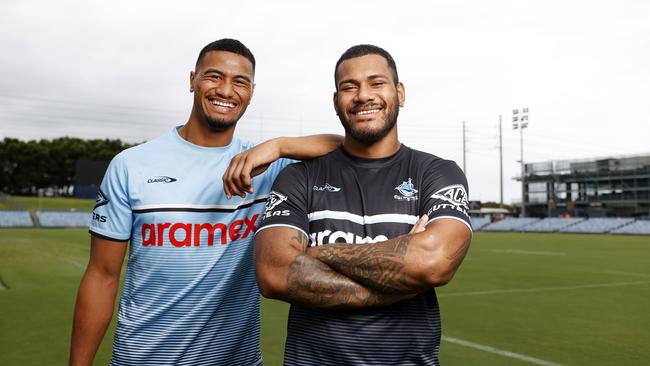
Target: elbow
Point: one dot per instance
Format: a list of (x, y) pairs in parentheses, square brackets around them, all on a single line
[(270, 286), (435, 274), (438, 279)]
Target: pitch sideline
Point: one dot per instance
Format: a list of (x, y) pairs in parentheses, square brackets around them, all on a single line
[(499, 352), (542, 289)]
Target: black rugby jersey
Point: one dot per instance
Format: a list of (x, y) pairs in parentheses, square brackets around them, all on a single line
[(339, 198)]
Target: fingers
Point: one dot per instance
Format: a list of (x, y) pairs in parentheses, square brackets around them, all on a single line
[(237, 179), (419, 225), (231, 184)]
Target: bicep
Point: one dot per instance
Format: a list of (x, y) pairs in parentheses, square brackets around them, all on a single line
[(452, 237), (275, 250), (106, 256)]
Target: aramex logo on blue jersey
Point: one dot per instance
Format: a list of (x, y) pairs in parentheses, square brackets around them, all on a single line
[(162, 179)]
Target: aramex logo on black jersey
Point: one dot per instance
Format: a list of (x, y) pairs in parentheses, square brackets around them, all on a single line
[(161, 179)]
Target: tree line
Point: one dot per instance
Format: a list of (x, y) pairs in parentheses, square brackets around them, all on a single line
[(29, 166)]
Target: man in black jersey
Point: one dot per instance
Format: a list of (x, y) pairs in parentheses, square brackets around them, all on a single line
[(341, 238)]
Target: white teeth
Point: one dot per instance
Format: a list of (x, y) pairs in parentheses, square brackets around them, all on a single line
[(368, 111), (222, 104)]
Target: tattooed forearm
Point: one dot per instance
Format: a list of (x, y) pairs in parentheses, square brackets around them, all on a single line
[(312, 283), (457, 256), (380, 266)]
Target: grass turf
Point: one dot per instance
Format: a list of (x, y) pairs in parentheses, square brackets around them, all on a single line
[(560, 299), (46, 203)]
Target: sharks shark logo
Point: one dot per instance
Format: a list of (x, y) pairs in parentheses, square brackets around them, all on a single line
[(407, 191)]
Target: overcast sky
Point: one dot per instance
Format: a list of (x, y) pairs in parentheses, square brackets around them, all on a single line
[(120, 69)]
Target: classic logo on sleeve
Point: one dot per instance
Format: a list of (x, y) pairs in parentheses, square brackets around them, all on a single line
[(454, 197), (275, 198)]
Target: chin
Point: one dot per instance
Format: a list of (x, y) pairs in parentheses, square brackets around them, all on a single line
[(218, 125)]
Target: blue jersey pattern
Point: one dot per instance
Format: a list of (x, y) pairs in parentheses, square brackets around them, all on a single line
[(190, 295)]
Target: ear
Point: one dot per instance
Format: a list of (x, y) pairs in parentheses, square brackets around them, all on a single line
[(335, 100), (401, 94), (192, 75)]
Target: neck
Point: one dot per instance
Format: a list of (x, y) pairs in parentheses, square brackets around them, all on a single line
[(198, 133), (383, 148)]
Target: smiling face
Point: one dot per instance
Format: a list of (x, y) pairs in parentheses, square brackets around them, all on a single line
[(367, 99), (223, 86)]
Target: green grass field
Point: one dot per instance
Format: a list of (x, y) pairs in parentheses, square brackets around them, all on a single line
[(519, 299), (46, 203)]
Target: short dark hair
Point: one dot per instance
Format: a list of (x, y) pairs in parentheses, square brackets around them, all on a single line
[(229, 45), (368, 49)]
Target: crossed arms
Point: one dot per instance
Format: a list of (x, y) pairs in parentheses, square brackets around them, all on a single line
[(341, 276)]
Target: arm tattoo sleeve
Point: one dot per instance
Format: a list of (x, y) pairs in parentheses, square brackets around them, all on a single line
[(380, 266), (457, 256), (313, 283)]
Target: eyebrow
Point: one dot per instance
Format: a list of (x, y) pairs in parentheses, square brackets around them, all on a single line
[(217, 71), (371, 77)]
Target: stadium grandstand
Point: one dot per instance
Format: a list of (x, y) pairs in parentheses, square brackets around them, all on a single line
[(599, 187)]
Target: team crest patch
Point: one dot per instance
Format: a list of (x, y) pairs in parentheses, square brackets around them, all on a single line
[(274, 199), (101, 199), (407, 191)]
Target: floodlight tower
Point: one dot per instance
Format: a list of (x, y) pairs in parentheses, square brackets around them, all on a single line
[(520, 121)]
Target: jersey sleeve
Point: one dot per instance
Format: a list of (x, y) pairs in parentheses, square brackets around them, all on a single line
[(112, 216), (277, 166), (287, 202), (445, 193)]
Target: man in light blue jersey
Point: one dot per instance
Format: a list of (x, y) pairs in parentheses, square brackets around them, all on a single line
[(190, 296)]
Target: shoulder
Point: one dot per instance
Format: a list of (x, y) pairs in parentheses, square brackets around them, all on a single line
[(433, 162)]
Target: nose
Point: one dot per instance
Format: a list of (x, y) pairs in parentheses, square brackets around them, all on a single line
[(364, 94), (225, 89)]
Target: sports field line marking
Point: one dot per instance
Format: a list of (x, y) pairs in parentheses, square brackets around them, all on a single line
[(633, 274), (50, 255), (519, 251), (542, 289), (500, 352)]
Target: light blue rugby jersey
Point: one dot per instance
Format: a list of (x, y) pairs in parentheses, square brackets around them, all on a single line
[(190, 295)]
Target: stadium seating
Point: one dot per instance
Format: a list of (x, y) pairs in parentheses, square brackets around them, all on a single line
[(63, 218), (551, 224), (641, 227), (598, 225), (510, 224), (479, 222), (15, 219)]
